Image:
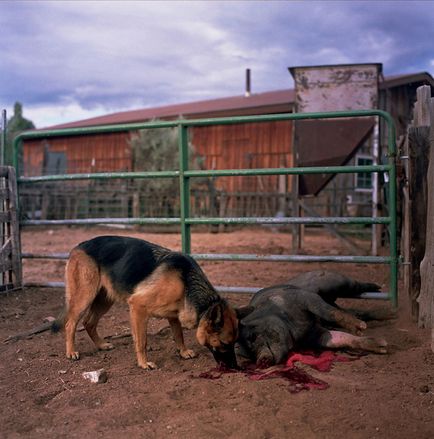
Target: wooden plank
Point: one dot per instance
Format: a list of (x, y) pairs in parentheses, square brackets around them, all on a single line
[(422, 111), (5, 265), (426, 296), (6, 246), (14, 228), (4, 194), (418, 148), (5, 217)]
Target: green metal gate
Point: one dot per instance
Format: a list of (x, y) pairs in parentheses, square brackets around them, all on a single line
[(185, 175)]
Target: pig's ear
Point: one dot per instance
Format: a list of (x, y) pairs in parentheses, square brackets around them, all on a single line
[(243, 311)]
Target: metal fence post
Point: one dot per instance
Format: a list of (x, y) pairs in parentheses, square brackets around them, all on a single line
[(184, 188), (391, 145)]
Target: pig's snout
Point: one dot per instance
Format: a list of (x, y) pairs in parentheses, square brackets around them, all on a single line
[(265, 358)]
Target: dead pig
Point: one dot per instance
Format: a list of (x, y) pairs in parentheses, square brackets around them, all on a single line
[(283, 318), (330, 285)]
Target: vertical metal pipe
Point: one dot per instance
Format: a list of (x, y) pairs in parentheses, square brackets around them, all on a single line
[(3, 138), (248, 84), (184, 188), (375, 194), (16, 145), (392, 211)]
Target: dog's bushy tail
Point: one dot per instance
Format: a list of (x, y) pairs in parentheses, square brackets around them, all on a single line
[(59, 323)]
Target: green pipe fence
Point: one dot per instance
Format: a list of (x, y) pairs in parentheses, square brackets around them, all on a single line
[(184, 174), (238, 290)]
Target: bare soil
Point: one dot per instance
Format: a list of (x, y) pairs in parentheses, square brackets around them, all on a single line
[(42, 394)]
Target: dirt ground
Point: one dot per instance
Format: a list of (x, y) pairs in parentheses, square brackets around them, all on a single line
[(42, 394)]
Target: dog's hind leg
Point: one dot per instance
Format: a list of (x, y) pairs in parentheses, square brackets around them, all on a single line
[(82, 283), (339, 339), (99, 307), (179, 339)]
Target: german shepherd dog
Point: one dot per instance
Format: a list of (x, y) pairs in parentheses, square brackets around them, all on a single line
[(155, 282)]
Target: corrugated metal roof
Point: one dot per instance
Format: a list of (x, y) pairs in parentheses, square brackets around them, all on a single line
[(278, 101)]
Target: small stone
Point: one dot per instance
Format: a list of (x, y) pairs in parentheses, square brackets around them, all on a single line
[(96, 376)]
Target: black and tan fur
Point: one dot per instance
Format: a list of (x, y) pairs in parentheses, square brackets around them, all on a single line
[(155, 282)]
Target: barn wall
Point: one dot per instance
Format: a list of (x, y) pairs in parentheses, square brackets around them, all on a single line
[(238, 146), (83, 154), (246, 146)]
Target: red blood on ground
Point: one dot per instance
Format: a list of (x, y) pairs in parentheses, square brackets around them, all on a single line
[(298, 379)]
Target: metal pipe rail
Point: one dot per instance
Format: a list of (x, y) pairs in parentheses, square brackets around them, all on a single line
[(250, 257), (207, 173), (184, 174), (205, 221), (220, 289)]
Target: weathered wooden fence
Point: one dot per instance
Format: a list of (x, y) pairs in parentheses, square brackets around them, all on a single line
[(10, 257), (418, 224)]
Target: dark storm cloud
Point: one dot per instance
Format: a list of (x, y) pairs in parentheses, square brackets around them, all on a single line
[(65, 61)]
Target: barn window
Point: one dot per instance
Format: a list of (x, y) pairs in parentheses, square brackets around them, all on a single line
[(364, 179), (55, 163)]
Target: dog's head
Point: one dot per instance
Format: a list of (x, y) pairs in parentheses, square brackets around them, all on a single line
[(218, 331)]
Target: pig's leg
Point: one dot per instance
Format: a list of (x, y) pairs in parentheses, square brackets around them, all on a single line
[(339, 339), (374, 314), (333, 315)]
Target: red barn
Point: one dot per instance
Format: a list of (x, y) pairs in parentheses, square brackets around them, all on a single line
[(255, 145)]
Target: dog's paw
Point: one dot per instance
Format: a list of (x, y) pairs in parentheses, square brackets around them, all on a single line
[(187, 353), (106, 346), (73, 355), (148, 365)]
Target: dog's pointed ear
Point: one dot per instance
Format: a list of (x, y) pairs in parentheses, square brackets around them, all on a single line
[(216, 316), (243, 311)]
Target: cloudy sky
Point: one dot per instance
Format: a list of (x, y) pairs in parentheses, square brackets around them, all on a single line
[(70, 60)]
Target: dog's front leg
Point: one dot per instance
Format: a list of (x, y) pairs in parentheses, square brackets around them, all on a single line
[(139, 322), (179, 339)]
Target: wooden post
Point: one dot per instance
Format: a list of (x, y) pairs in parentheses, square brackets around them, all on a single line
[(14, 233), (418, 156), (426, 296), (418, 148), (10, 254)]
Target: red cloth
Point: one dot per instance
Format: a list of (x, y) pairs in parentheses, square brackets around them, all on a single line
[(322, 362)]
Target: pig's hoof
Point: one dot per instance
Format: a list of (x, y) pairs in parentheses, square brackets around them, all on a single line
[(361, 325), (376, 345)]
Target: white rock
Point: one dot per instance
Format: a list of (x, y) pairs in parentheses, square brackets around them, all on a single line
[(96, 376)]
